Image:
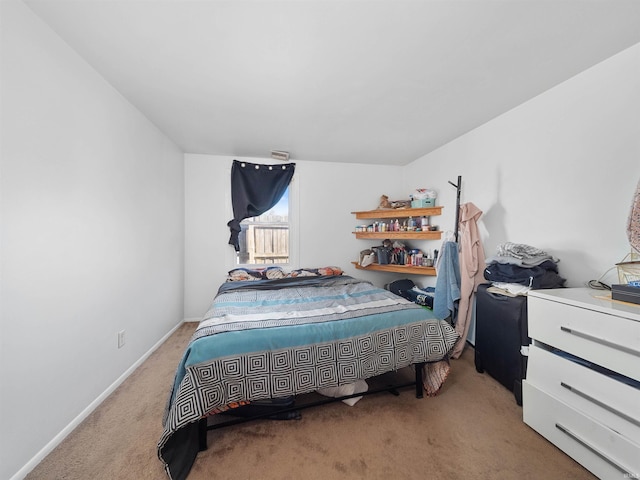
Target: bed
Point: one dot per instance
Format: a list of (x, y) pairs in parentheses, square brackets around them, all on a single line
[(275, 336)]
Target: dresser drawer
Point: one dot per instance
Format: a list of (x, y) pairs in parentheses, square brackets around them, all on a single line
[(603, 398), (608, 340), (602, 451)]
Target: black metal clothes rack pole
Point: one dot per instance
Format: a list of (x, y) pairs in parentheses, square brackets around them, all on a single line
[(459, 188)]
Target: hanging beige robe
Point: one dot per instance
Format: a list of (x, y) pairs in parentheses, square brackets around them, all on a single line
[(472, 265)]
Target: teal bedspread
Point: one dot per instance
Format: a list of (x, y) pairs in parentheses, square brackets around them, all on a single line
[(273, 338)]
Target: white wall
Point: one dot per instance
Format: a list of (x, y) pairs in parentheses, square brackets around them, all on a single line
[(92, 237), (94, 201), (326, 194), (557, 172)]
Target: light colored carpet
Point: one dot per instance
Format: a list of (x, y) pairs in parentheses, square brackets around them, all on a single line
[(472, 429)]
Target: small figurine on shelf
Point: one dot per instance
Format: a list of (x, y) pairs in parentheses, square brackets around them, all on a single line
[(397, 253), (384, 202)]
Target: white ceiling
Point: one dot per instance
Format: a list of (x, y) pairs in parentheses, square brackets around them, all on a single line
[(381, 82)]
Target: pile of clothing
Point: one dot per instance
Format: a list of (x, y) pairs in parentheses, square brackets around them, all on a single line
[(517, 268), (406, 288)]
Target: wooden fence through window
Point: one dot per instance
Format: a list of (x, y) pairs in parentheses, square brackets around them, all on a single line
[(267, 243)]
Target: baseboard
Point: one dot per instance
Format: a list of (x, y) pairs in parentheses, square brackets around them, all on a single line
[(193, 320), (48, 448)]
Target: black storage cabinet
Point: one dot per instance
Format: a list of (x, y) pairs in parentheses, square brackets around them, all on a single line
[(501, 331)]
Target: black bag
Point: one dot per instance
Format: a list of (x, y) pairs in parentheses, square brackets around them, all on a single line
[(420, 297), (268, 408), (404, 289), (400, 287)]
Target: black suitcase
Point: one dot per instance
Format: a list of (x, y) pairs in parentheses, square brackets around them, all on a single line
[(501, 331)]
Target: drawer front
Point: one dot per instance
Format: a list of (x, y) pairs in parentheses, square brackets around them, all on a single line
[(599, 449), (608, 401), (607, 340)]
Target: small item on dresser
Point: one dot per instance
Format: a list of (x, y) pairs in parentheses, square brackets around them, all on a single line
[(628, 269), (626, 293)]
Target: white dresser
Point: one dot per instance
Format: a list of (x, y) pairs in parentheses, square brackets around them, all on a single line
[(592, 416)]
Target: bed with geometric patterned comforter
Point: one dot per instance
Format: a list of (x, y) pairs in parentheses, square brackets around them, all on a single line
[(274, 338)]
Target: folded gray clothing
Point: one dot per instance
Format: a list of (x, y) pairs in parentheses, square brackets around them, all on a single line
[(521, 262), (519, 250)]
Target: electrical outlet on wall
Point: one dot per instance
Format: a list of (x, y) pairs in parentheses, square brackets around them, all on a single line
[(121, 339)]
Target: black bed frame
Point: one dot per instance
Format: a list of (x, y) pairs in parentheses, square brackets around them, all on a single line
[(204, 427)]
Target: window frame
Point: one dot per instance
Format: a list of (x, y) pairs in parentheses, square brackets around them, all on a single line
[(233, 260)]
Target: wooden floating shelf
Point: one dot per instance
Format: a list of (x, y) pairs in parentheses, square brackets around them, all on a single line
[(407, 269), (430, 235), (399, 213)]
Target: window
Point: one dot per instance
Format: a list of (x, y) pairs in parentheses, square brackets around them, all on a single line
[(265, 239)]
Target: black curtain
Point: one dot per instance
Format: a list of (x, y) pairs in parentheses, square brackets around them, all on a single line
[(254, 190)]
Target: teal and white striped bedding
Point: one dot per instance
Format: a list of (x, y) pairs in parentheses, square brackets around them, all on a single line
[(273, 338)]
